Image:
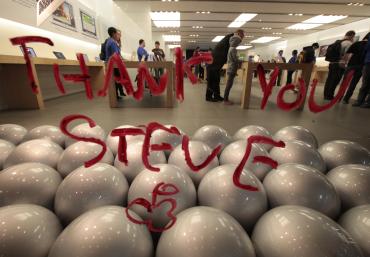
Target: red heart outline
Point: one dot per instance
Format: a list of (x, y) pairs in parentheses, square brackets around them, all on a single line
[(160, 189)]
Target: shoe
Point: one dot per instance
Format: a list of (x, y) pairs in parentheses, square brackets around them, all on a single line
[(219, 99), (228, 102), (356, 104), (345, 101), (365, 105), (119, 98), (211, 100)]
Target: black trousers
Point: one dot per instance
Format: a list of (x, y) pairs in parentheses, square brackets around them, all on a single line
[(119, 88), (356, 78), (335, 75), (289, 77), (213, 81), (364, 94), (201, 72)]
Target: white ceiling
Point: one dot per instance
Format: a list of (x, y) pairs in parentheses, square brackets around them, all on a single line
[(271, 13)]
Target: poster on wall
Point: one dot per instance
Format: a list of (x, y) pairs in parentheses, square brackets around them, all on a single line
[(88, 24), (45, 8), (64, 16)]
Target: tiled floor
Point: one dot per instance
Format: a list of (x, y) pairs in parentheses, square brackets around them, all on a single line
[(341, 122)]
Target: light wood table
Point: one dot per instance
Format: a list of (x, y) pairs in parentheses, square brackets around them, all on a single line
[(320, 73), (306, 69), (170, 89), (15, 90)]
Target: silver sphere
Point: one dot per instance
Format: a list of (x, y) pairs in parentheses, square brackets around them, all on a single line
[(352, 183), (248, 131), (213, 136), (97, 186), (217, 190), (135, 160), (199, 152), (234, 153), (29, 183), (296, 184), (356, 223), (205, 231), (298, 133), (161, 136), (38, 150), (78, 153), (112, 142), (105, 231), (84, 130), (27, 230), (145, 182), (298, 152), (341, 152), (12, 133), (46, 132), (291, 231), (5, 149)]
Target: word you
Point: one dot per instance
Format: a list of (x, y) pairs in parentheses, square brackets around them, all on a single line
[(182, 68)]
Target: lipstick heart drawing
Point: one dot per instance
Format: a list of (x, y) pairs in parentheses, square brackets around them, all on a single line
[(162, 189)]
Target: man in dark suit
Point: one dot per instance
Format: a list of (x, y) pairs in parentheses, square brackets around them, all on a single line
[(219, 54)]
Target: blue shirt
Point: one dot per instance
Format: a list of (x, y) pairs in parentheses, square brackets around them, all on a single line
[(367, 49), (111, 48), (141, 52), (293, 59)]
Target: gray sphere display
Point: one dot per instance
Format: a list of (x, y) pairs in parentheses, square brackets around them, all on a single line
[(234, 153), (97, 186), (213, 136), (12, 133), (84, 130), (77, 154), (38, 150), (291, 231), (46, 132), (146, 181), (29, 183), (356, 223), (292, 133), (205, 231), (161, 136), (5, 149), (296, 184), (248, 131), (342, 152), (135, 160), (298, 152), (105, 231), (199, 152), (27, 230), (218, 190), (352, 183), (112, 142)]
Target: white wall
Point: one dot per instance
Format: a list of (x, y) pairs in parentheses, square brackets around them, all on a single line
[(322, 37)]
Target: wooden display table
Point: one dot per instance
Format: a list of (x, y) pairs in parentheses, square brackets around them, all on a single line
[(251, 67), (15, 90), (320, 73), (169, 66)]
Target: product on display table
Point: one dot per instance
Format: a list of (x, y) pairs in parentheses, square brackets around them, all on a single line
[(212, 193)]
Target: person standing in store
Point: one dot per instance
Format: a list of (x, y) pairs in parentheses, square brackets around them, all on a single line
[(363, 99), (219, 54), (280, 59), (336, 56), (356, 57), (159, 56), (142, 54), (232, 66), (293, 59), (112, 46)]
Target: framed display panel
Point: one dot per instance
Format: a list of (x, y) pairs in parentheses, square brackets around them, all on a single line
[(88, 23)]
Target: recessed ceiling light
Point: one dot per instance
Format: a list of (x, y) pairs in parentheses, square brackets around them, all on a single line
[(242, 19), (266, 28), (197, 27), (277, 33), (218, 38), (303, 26), (172, 38), (192, 41), (244, 47), (355, 4), (263, 40), (170, 0), (325, 19), (173, 46), (194, 35), (166, 19), (295, 14)]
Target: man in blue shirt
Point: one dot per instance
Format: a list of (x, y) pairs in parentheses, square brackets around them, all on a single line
[(363, 99), (293, 59), (141, 52), (112, 46)]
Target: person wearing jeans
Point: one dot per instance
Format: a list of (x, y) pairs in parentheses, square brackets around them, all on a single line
[(363, 99), (232, 66)]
